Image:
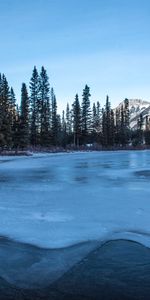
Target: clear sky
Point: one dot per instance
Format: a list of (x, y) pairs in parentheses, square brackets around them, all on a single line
[(104, 43)]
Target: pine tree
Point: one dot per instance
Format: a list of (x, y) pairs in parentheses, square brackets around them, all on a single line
[(44, 103), (59, 134), (112, 128), (24, 117), (86, 114), (139, 132), (96, 123), (117, 126), (127, 120), (1, 114), (107, 123), (94, 133), (140, 122), (76, 110), (35, 108), (94, 118), (127, 113), (63, 130), (17, 130), (5, 112), (99, 123), (98, 117), (147, 125), (12, 100), (68, 119), (54, 129), (147, 132), (13, 115), (124, 123)]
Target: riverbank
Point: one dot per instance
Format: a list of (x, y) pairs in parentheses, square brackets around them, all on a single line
[(31, 151)]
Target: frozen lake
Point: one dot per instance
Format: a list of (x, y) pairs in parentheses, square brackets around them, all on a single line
[(57, 200), (57, 208)]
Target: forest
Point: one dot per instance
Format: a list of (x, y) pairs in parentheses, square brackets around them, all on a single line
[(35, 123)]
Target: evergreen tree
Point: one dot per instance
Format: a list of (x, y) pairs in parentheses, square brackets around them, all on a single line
[(13, 115), (127, 114), (76, 120), (94, 133), (63, 130), (98, 118), (1, 114), (127, 121), (39, 120), (12, 100), (17, 130), (86, 114), (147, 125), (138, 139), (5, 112), (147, 131), (94, 118), (124, 124), (59, 134), (147, 136), (35, 108), (122, 128), (96, 123), (112, 128), (54, 129), (24, 117), (44, 103), (140, 122), (117, 126), (107, 123), (68, 120)]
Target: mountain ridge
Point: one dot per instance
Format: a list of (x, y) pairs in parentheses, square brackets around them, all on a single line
[(137, 108)]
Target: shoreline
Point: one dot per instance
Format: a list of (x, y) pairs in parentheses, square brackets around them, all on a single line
[(30, 152)]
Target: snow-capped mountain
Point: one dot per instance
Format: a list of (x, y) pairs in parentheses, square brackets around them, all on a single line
[(136, 108)]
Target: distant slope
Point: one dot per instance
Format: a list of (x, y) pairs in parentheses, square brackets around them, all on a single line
[(137, 107)]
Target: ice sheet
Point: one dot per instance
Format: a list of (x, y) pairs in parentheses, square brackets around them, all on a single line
[(57, 200)]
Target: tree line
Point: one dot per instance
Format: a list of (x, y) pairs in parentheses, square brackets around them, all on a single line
[(36, 122)]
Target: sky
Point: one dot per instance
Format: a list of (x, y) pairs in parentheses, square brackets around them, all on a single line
[(102, 43)]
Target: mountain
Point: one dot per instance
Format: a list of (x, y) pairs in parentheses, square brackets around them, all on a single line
[(137, 107)]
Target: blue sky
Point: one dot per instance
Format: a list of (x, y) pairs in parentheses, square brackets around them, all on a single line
[(104, 43)]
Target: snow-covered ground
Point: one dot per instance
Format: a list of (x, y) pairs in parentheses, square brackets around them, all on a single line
[(57, 200)]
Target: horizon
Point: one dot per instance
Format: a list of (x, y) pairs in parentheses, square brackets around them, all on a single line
[(105, 45)]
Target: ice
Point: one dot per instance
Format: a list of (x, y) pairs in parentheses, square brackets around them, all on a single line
[(27, 266), (56, 200)]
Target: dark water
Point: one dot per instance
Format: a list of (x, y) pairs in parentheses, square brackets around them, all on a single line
[(117, 270)]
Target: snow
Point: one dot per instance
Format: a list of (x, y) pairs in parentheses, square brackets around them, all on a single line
[(56, 200), (136, 107)]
